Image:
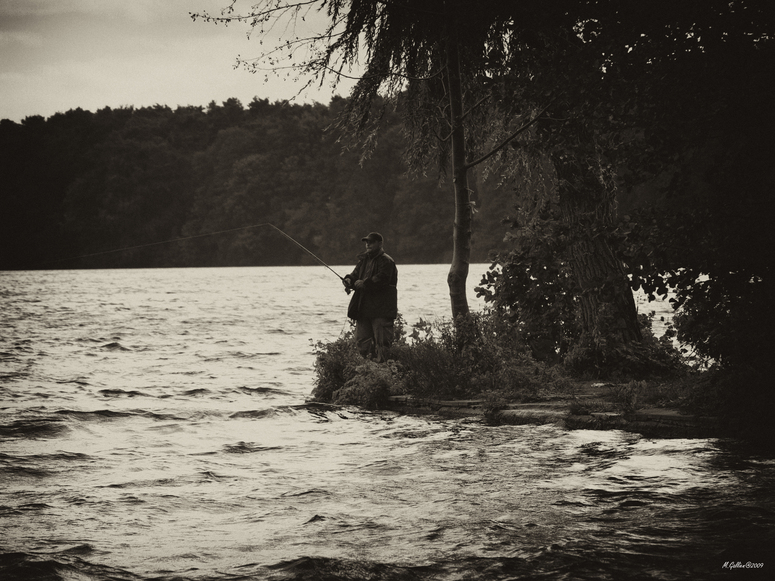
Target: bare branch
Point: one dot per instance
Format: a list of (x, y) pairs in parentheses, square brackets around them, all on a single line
[(443, 115), (440, 138), (506, 141), (227, 14), (379, 75), (475, 105)]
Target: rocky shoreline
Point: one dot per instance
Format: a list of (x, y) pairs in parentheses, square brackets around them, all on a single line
[(569, 413)]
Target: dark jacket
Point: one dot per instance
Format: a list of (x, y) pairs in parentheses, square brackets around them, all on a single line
[(379, 296)]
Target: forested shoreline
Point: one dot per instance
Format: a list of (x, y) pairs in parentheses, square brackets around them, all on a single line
[(80, 184)]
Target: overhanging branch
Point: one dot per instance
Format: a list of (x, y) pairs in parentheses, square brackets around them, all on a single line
[(506, 141)]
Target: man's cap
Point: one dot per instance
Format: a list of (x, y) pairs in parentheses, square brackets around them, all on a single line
[(372, 237)]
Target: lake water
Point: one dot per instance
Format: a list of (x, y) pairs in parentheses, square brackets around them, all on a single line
[(153, 425)]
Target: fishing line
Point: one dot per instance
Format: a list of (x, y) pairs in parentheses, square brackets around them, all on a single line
[(307, 250)]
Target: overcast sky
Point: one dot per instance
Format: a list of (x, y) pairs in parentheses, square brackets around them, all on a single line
[(57, 55)]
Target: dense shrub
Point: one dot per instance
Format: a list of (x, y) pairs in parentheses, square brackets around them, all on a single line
[(335, 364), (476, 357), (370, 386), (533, 291), (532, 287), (343, 376), (652, 358)]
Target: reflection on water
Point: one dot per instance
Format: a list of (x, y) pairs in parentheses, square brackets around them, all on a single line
[(154, 425)]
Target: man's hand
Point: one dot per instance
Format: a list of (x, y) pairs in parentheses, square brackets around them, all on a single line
[(358, 284)]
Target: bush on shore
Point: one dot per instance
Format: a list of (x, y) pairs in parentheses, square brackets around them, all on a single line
[(478, 357)]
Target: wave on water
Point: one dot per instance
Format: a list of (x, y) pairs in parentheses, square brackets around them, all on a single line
[(78, 381), (17, 471), (248, 448), (255, 414), (243, 355), (121, 393), (197, 392), (64, 565), (263, 391), (55, 456), (13, 376), (105, 415), (115, 346), (34, 428)]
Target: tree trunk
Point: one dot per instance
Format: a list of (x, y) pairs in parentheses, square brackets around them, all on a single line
[(607, 306), (461, 233)]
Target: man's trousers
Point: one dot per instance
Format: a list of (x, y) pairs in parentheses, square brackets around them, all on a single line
[(373, 337)]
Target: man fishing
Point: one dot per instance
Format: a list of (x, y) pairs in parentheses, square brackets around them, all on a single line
[(374, 306)]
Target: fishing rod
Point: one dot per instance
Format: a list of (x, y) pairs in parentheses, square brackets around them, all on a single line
[(307, 250)]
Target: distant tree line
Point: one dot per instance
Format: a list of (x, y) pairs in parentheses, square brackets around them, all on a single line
[(80, 184)]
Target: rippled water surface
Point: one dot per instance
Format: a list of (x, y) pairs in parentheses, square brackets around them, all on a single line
[(154, 425)]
